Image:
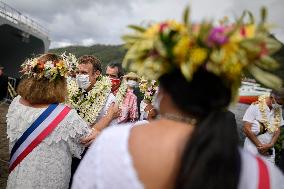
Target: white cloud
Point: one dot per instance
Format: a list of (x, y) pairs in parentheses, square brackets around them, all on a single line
[(84, 22)]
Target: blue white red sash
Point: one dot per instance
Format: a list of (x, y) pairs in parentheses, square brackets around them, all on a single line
[(37, 132)]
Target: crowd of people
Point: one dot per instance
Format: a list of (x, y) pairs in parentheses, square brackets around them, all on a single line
[(164, 124)]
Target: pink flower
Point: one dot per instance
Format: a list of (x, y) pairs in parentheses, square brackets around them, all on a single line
[(217, 36)]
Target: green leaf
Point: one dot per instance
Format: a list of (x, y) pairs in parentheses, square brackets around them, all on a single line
[(265, 78), (251, 17), (186, 15), (137, 28), (130, 38), (268, 63), (272, 45), (263, 14)]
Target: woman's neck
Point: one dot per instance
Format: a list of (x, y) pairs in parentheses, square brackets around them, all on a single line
[(27, 103)]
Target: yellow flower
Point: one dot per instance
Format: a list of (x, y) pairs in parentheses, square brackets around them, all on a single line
[(60, 65), (177, 26), (152, 31), (182, 48), (250, 31), (244, 32), (198, 55)]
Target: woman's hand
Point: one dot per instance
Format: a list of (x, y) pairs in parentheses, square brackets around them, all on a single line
[(263, 148), (87, 141), (113, 111)]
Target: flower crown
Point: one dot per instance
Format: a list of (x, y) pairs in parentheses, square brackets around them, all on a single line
[(227, 50), (51, 70), (148, 88)]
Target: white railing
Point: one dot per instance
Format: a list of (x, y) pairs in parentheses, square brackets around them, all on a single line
[(17, 17)]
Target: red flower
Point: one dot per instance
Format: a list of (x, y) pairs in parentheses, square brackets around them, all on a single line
[(264, 50), (243, 31), (163, 26)]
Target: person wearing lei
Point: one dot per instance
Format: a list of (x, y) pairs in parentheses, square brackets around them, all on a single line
[(262, 122), (147, 109), (90, 94), (127, 99), (194, 143), (44, 133)]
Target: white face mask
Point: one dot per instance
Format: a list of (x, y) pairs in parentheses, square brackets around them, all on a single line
[(83, 81), (132, 83)]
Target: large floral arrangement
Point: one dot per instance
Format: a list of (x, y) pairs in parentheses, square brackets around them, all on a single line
[(148, 88), (271, 127), (90, 104), (51, 70), (227, 50)]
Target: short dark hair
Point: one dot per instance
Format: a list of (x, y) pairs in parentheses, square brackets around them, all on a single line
[(90, 59), (119, 68)]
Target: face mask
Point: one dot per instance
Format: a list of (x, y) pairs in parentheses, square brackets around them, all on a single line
[(132, 83), (83, 81), (114, 84)]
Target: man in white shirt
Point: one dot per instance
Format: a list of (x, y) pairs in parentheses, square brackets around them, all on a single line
[(262, 122)]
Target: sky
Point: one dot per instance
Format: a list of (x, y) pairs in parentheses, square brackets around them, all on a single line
[(88, 22)]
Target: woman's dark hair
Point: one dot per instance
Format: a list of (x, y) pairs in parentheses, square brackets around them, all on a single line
[(211, 158)]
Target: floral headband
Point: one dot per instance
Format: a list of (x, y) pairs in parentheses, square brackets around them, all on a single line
[(227, 50), (51, 70), (148, 88)]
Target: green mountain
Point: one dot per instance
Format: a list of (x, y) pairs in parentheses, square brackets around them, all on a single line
[(106, 53)]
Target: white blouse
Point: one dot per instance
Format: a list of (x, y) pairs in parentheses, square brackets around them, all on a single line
[(108, 165), (49, 164)]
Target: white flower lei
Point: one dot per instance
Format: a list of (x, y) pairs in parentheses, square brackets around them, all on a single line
[(121, 93), (89, 107), (277, 117)]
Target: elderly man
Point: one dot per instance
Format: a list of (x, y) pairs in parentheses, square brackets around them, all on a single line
[(3, 83), (262, 122)]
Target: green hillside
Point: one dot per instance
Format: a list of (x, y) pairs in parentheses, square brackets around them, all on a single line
[(106, 53)]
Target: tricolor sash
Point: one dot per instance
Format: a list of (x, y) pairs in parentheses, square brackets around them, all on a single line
[(37, 132)]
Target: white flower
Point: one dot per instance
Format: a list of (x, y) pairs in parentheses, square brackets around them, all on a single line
[(48, 65)]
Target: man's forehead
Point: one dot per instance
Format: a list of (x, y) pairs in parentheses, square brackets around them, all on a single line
[(110, 69), (85, 66)]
